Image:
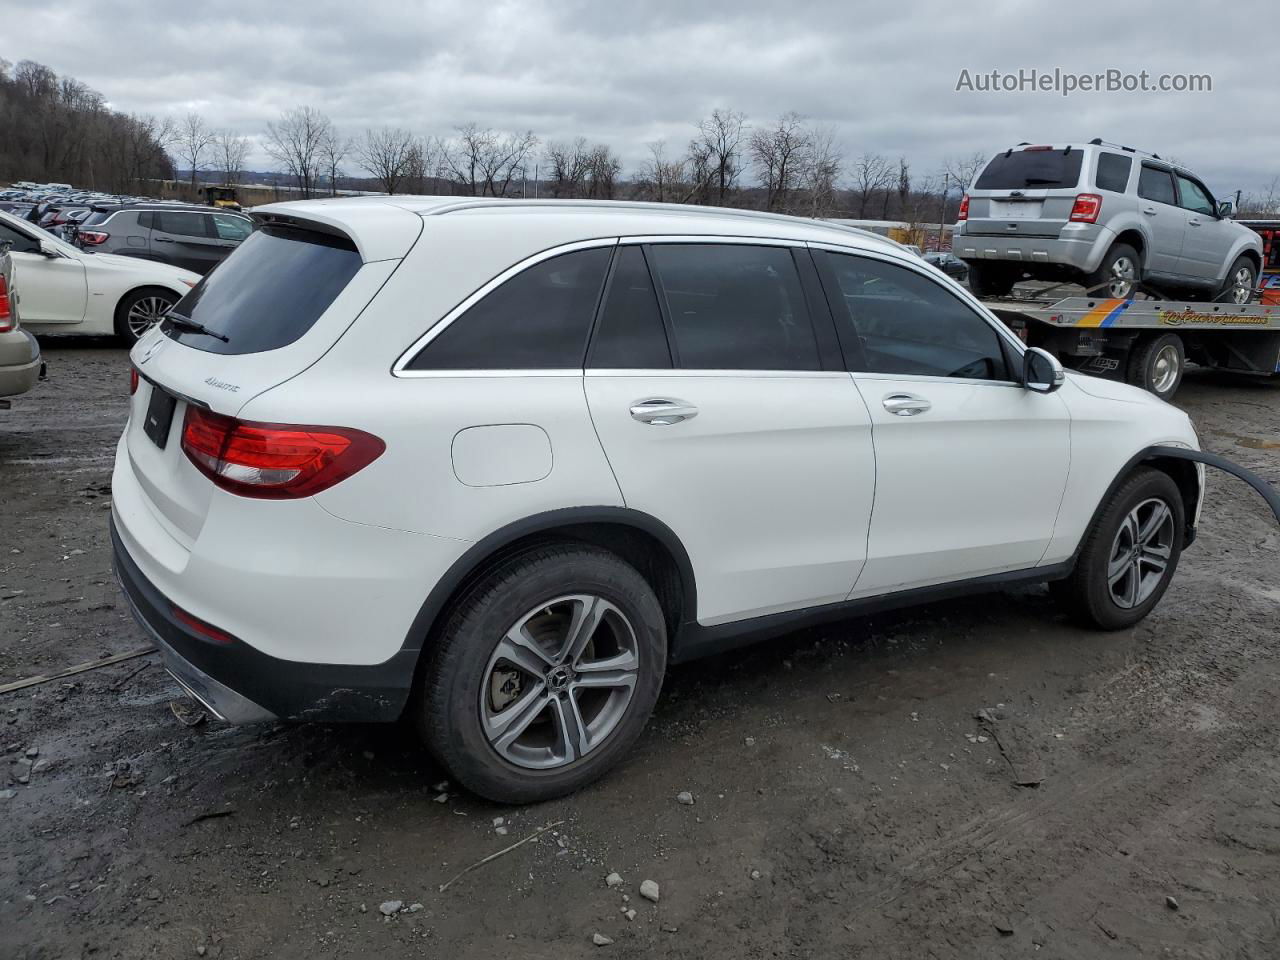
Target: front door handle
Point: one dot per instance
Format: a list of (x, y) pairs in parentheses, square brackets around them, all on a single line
[(1149, 211), (660, 411), (906, 404), (1193, 223), (162, 240)]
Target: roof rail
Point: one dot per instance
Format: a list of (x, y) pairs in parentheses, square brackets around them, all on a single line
[(678, 209)]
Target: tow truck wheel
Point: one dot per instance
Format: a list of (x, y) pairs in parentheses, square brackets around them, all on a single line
[(1156, 365), (987, 280)]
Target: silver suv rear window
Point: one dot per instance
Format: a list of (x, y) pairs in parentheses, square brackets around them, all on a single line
[(1032, 170), (268, 293)]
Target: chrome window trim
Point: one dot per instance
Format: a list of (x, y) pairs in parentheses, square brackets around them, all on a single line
[(711, 238), (658, 373), (400, 367)]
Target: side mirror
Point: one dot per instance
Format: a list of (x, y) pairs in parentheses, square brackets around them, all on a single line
[(1225, 208), (1041, 371), (47, 249)]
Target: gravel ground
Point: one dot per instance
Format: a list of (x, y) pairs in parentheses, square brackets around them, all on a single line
[(846, 802)]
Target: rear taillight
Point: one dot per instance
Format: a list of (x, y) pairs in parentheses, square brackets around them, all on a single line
[(91, 238), (6, 308), (1086, 208), (964, 208), (133, 380), (274, 461)]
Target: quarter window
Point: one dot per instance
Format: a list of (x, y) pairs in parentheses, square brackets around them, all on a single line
[(1192, 196), (21, 242), (907, 324), (1113, 172), (735, 307), (1155, 184), (629, 334), (537, 320)]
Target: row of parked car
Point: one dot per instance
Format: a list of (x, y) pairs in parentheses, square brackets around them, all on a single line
[(76, 263)]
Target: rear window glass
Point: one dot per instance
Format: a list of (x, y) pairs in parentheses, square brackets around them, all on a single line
[(1113, 172), (1032, 169), (1156, 184), (268, 293)]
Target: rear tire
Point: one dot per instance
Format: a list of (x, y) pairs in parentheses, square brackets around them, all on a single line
[(552, 723), (1118, 275), (140, 310), (986, 280), (1157, 365), (1137, 535)]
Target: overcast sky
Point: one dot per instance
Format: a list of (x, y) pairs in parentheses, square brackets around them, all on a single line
[(883, 75)]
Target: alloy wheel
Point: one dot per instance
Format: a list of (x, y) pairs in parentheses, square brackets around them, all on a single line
[(1140, 553), (1122, 276), (1242, 286), (146, 312), (559, 682), (1164, 373)]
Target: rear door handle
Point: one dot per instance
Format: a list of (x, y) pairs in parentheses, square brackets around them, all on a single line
[(1194, 223), (906, 404), (162, 240), (1149, 211), (661, 411)]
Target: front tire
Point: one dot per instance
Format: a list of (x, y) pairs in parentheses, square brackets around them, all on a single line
[(1157, 365), (1241, 279), (140, 310), (1129, 555), (544, 675)]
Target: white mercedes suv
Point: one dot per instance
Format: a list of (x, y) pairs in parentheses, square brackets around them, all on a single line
[(496, 464)]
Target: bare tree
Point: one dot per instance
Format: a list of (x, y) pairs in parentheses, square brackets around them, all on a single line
[(661, 179), (385, 154), (193, 140), (780, 153), (567, 166), (229, 152), (294, 141), (822, 170), (422, 166), (715, 153), (483, 162), (961, 172), (871, 173), (331, 152), (602, 171)]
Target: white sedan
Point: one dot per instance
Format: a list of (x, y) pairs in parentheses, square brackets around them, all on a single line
[(65, 290)]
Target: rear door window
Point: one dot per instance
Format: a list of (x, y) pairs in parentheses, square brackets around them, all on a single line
[(1156, 183), (1113, 172), (181, 224), (269, 292), (537, 320), (907, 324), (735, 307), (1031, 170)]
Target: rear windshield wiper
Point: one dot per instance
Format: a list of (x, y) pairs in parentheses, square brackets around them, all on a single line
[(195, 326)]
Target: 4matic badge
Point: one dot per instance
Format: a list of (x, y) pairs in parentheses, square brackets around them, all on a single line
[(222, 384)]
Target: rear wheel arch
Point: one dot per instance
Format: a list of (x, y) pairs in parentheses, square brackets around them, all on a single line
[(641, 540), (1133, 238), (119, 314)]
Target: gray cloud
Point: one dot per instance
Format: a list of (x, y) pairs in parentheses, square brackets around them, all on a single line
[(628, 73)]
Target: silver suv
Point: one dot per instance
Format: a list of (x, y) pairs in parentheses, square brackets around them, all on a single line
[(1107, 216)]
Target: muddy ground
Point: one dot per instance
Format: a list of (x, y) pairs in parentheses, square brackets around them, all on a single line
[(848, 804)]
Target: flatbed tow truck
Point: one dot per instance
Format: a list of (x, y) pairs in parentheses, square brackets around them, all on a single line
[(1147, 339)]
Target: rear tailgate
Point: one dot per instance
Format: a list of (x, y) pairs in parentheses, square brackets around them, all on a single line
[(1027, 192), (281, 300)]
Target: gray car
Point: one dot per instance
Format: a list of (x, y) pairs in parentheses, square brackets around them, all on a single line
[(1109, 217), (184, 235), (20, 364)]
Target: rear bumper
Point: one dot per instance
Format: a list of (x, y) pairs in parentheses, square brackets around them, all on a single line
[(241, 684), (19, 362), (1082, 251)]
